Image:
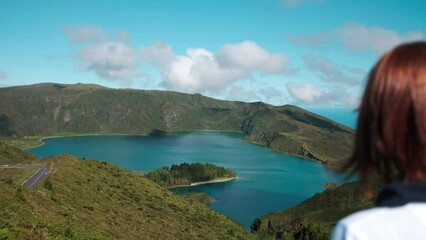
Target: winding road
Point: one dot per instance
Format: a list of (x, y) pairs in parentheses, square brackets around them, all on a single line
[(35, 179)]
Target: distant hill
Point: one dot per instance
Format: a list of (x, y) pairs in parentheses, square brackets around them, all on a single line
[(51, 109), (82, 199), (315, 217)]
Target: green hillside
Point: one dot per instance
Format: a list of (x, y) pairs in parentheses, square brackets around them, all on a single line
[(13, 155), (88, 199), (51, 109), (315, 217)]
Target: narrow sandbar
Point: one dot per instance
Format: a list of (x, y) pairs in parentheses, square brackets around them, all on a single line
[(217, 180)]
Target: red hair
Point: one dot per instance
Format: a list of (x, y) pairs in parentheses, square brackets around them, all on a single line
[(390, 138)]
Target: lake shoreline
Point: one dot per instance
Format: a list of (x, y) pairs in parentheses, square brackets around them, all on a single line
[(217, 180), (41, 138), (41, 143), (79, 135), (256, 179)]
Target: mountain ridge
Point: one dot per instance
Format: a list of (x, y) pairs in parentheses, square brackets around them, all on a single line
[(50, 109)]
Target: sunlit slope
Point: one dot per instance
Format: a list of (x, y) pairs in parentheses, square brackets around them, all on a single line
[(88, 199), (56, 109), (315, 217)]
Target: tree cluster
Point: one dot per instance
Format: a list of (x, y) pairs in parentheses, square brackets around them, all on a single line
[(185, 174)]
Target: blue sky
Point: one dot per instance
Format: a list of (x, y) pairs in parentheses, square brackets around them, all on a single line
[(312, 53)]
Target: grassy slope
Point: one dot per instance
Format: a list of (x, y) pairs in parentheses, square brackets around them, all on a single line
[(57, 109), (315, 217), (16, 175), (13, 155), (84, 199), (299, 132)]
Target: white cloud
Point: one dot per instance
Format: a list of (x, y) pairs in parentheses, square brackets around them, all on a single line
[(251, 92), (159, 54), (238, 93), (376, 39), (84, 34), (270, 93), (352, 101), (109, 60), (328, 70), (110, 56), (304, 92), (3, 75), (249, 56), (310, 94), (87, 34), (358, 38), (198, 70), (201, 70), (273, 95), (123, 35)]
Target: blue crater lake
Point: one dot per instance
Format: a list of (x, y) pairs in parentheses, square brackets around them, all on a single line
[(268, 180)]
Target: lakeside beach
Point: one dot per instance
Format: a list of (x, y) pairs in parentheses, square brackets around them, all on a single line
[(217, 180)]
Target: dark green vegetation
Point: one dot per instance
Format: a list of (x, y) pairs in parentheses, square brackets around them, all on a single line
[(83, 199), (13, 155), (315, 217), (16, 175), (184, 174), (57, 109), (200, 197)]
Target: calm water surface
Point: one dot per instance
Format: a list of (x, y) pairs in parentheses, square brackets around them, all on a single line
[(345, 116), (268, 180)]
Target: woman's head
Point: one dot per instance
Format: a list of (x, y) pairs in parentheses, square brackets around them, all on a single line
[(391, 131)]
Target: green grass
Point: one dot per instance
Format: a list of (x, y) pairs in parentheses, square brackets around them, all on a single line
[(16, 175), (22, 142), (89, 199), (13, 155)]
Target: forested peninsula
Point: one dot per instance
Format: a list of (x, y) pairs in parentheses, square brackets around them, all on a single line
[(185, 174)]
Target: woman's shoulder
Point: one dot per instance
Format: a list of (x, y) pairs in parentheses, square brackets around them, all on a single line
[(381, 222), (365, 216)]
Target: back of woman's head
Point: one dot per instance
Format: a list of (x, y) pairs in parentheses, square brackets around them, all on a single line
[(391, 132)]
